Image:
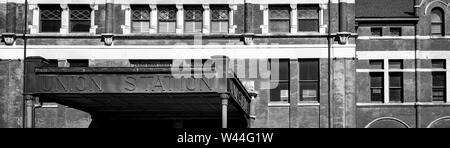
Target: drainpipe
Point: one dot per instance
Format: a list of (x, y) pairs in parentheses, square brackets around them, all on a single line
[(330, 97), (416, 13), (24, 64)]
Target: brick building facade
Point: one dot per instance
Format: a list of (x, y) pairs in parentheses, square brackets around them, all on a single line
[(342, 63)]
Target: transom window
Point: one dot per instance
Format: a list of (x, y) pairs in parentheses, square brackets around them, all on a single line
[(50, 18), (167, 18), (140, 19), (80, 18), (308, 18), (193, 19), (279, 19), (219, 19)]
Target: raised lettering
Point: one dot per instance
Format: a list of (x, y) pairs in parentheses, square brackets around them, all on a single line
[(131, 83)]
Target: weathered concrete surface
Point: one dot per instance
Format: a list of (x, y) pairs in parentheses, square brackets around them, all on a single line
[(11, 93)]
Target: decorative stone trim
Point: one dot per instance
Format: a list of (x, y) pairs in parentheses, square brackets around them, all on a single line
[(206, 19), (93, 29), (232, 27), (248, 38), (153, 18), (9, 38), (343, 37), (180, 19), (34, 27), (108, 39)]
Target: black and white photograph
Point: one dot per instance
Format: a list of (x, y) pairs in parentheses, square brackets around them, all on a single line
[(224, 64)]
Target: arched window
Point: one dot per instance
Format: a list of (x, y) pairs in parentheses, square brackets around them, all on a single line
[(437, 22)]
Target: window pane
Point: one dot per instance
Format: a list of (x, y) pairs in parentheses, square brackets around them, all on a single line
[(193, 13), (438, 94), (436, 28), (438, 80), (437, 15), (167, 13), (395, 64), (219, 13), (395, 80), (309, 69), (396, 31), (51, 26), (141, 13), (80, 26), (167, 27), (376, 31), (193, 27), (78, 63), (80, 18), (283, 67), (439, 64), (140, 26), (376, 64), (376, 80), (396, 95), (308, 12), (219, 27), (280, 93), (279, 12), (279, 26), (309, 91), (308, 25), (376, 95)]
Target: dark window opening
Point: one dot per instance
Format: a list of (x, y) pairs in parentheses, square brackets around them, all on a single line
[(78, 63), (50, 18), (193, 17), (376, 87), (141, 18), (309, 80), (437, 22), (376, 31), (438, 64), (279, 91), (279, 19), (219, 19), (167, 19), (80, 18), (308, 18), (395, 31), (376, 64), (439, 86), (395, 87), (395, 64)]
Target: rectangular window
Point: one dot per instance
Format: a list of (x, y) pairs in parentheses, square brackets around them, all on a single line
[(439, 86), (395, 64), (376, 87), (279, 90), (376, 31), (309, 80), (396, 87), (141, 19), (193, 19), (80, 18), (395, 31), (279, 19), (438, 64), (167, 19), (50, 18), (219, 19), (308, 18), (376, 64)]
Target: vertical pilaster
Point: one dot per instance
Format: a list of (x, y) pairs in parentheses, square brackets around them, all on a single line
[(93, 29), (386, 80), (206, 18), (294, 22), (109, 16), (153, 18), (11, 20), (29, 111), (322, 26), (224, 98), (180, 19), (265, 26), (64, 19), (126, 28), (34, 27), (232, 27)]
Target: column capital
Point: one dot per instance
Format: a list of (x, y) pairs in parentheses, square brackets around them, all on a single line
[(294, 6), (29, 97), (224, 96), (264, 7), (94, 6), (180, 7), (153, 7), (126, 7), (64, 6), (205, 7), (233, 6)]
